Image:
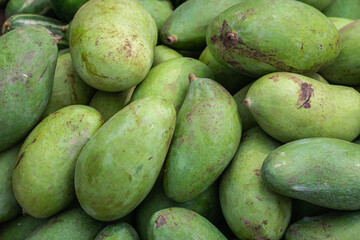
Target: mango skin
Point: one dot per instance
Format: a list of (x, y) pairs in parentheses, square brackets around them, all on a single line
[(163, 53), (346, 68), (322, 171), (9, 207), (170, 80), (120, 231), (340, 22), (207, 135), (206, 204), (344, 9), (319, 4), (142, 132), (71, 224), (250, 208), (181, 223), (160, 10), (20, 227), (41, 7), (109, 56), (43, 175), (334, 226), (253, 38), (26, 79), (289, 106), (68, 88)]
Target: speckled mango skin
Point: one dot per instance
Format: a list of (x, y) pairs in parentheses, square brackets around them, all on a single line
[(163, 53), (71, 224), (319, 4), (322, 171), (107, 55), (344, 9), (68, 88), (345, 226), (27, 64), (262, 36), (120, 231), (250, 208), (340, 22), (111, 181), (43, 176), (9, 207), (170, 80), (290, 106), (346, 68), (181, 223), (207, 135), (160, 10)]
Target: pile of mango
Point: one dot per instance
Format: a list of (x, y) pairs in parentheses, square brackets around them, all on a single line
[(179, 120)]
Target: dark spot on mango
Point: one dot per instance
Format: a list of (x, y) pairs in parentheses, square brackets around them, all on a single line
[(306, 92), (160, 221), (20, 158)]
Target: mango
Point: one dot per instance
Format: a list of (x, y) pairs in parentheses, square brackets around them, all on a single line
[(142, 132), (160, 10), (68, 88), (247, 120), (27, 62), (20, 227), (345, 226), (9, 207), (319, 4), (66, 9), (108, 103), (71, 224), (107, 55), (344, 9), (302, 209), (261, 36), (346, 68), (250, 208), (120, 231), (340, 22), (316, 76), (207, 135), (170, 81), (41, 7), (290, 106), (322, 171), (186, 27), (163, 53), (43, 174)]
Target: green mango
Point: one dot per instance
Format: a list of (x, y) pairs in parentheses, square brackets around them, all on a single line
[(289, 106), (316, 76), (107, 55), (250, 208), (208, 132), (27, 65), (262, 36), (186, 27), (142, 132), (181, 223), (346, 68), (71, 224), (68, 88), (322, 171), (41, 7), (20, 227), (319, 4), (206, 204), (120, 231), (160, 10), (247, 120), (43, 175), (9, 207), (227, 77), (66, 9), (302, 209), (340, 22), (344, 226), (163, 53), (344, 9), (108, 104), (170, 81)]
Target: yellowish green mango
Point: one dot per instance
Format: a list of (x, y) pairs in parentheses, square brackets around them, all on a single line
[(119, 231), (160, 10), (163, 53)]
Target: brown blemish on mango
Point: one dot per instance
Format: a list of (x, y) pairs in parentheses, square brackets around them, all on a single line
[(306, 92)]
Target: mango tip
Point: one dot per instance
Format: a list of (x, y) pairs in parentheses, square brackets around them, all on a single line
[(246, 103), (171, 39), (192, 77)]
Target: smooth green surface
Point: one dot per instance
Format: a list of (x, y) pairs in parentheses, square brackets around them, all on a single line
[(188, 23), (71, 224), (66, 9), (41, 7), (43, 177), (141, 132), (344, 9), (9, 207), (340, 22), (163, 53), (68, 88), (290, 106), (107, 55), (344, 226), (207, 135), (27, 65), (319, 4), (20, 227), (263, 36), (160, 10), (322, 171), (170, 80), (181, 223), (120, 231), (250, 208)]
